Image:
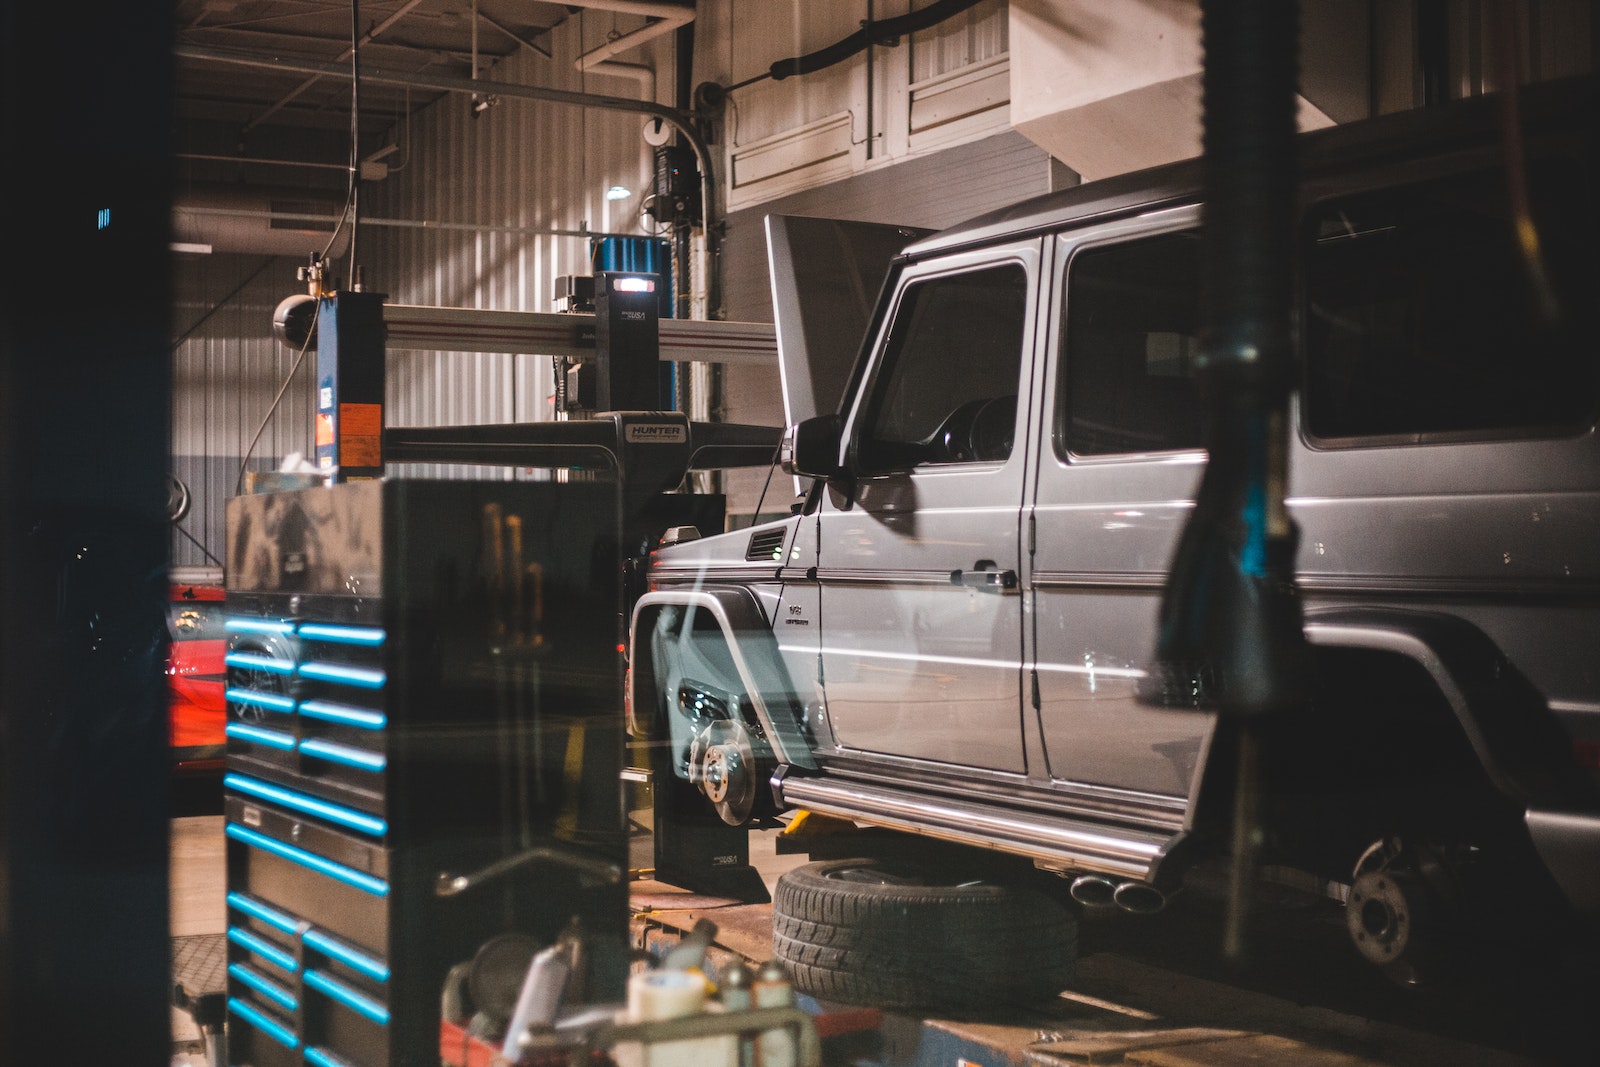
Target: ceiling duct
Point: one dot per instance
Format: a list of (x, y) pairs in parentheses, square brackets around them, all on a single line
[(294, 223)]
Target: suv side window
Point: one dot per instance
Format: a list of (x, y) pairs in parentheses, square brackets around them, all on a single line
[(947, 392), (1422, 321), (1133, 313)]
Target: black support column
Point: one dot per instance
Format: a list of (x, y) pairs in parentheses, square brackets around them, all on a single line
[(84, 397)]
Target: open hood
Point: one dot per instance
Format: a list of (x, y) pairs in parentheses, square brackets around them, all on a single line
[(826, 276)]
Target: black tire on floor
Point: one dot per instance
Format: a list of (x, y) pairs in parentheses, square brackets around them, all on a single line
[(863, 932)]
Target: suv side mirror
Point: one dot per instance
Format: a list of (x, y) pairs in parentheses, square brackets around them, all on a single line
[(810, 449)]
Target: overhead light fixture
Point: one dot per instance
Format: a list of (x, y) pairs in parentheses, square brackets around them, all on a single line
[(618, 192)]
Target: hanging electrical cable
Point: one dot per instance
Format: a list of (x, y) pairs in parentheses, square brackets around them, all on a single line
[(354, 187), (289, 320)]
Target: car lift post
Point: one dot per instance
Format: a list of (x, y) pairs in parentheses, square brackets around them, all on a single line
[(350, 385), (649, 452)]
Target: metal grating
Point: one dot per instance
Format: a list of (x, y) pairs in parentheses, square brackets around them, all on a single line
[(199, 963)]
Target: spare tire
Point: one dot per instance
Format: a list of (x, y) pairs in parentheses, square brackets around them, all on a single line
[(897, 936)]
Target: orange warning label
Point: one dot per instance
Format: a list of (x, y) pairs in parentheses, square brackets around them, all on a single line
[(360, 435), (361, 420), (324, 429), (360, 451)]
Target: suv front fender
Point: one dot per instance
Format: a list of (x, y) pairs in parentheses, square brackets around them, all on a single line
[(753, 650)]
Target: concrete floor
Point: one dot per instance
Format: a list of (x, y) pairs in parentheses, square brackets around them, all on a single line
[(197, 907), (1134, 999)]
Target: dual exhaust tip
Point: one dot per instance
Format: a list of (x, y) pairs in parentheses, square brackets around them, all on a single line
[(1098, 891)]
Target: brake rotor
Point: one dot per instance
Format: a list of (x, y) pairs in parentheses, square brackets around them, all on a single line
[(724, 767), (1400, 903)]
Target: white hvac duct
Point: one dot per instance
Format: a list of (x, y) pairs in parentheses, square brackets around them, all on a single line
[(1111, 86), (275, 223)]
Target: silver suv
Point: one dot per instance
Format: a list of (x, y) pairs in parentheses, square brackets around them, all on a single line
[(947, 635)]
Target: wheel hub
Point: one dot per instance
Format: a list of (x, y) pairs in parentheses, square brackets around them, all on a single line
[(1402, 910), (718, 772), (724, 767), (1379, 917)]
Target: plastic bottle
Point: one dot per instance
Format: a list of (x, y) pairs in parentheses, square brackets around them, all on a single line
[(735, 988), (736, 984), (771, 989)]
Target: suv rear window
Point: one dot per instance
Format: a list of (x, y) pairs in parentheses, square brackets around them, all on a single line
[(1424, 322), (1133, 313)]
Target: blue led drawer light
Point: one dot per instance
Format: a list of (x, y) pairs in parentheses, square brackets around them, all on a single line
[(356, 1002), (350, 757), (263, 985), (356, 820), (344, 714), (241, 625), (257, 910), (264, 1022), (257, 661), (323, 1058), (364, 636), (309, 860), (269, 701), (263, 948), (375, 969), (360, 677), (270, 738)]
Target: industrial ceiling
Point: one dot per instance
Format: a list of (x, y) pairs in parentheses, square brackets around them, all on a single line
[(437, 37)]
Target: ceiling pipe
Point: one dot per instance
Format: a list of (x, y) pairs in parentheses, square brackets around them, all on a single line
[(342, 168), (372, 169), (668, 18), (679, 120), (245, 208), (634, 72), (380, 28)]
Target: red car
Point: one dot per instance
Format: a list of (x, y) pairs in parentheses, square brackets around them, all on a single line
[(196, 679)]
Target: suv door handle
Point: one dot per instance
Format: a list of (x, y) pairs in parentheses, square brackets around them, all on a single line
[(986, 575)]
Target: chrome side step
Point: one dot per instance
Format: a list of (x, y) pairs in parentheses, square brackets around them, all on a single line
[(1053, 842)]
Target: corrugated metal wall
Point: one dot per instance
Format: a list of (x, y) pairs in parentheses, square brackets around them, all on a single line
[(467, 218), (226, 370)]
